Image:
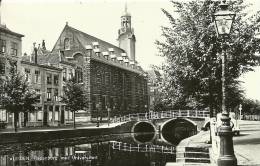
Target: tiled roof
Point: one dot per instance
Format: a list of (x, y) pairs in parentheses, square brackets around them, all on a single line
[(41, 65), (43, 57), (86, 39), (3, 28)]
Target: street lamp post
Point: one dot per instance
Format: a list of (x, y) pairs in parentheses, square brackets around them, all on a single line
[(223, 22)]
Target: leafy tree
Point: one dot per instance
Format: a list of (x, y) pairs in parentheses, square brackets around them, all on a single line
[(251, 106), (74, 97), (17, 96), (193, 54)]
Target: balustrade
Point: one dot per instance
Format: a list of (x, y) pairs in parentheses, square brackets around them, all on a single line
[(163, 114)]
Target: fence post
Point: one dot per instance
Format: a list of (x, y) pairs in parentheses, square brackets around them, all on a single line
[(179, 112), (130, 147), (146, 148), (125, 146), (119, 146), (196, 113), (137, 147), (188, 113)]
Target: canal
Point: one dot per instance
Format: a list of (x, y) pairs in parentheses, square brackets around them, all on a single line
[(112, 150), (129, 149)]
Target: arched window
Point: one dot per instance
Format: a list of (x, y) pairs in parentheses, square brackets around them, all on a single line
[(67, 44), (79, 75)]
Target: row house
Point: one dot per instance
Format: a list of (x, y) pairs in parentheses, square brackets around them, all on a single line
[(10, 54), (111, 76)]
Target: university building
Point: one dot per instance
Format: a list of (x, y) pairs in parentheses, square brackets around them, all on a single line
[(110, 74)]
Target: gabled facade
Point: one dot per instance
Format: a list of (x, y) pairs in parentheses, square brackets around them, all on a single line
[(110, 78)]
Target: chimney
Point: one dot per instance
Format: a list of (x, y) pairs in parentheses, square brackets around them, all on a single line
[(61, 55), (43, 45), (35, 53)]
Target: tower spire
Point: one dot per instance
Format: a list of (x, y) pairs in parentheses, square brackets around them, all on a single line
[(125, 6), (0, 12)]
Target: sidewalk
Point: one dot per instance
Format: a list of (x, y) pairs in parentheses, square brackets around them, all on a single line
[(58, 128), (246, 146)]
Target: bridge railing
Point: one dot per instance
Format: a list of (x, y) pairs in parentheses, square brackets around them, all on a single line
[(161, 115), (142, 148)]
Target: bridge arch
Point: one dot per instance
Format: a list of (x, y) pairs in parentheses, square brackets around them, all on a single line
[(143, 127), (174, 130), (206, 125), (143, 131)]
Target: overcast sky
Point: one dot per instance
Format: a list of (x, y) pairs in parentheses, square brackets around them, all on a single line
[(45, 19)]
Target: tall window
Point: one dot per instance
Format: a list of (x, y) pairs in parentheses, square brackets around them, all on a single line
[(39, 114), (27, 75), (67, 44), (103, 102), (56, 79), (2, 115), (2, 46), (64, 74), (93, 101), (70, 74), (79, 75), (56, 94), (48, 94), (49, 81), (2, 67), (14, 48), (37, 76), (107, 78), (56, 115), (38, 92)]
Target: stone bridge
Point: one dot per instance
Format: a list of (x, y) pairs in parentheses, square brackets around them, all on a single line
[(173, 125)]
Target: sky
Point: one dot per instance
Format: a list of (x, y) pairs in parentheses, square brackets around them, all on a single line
[(45, 19)]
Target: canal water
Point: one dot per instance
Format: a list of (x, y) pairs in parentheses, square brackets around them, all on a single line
[(143, 149)]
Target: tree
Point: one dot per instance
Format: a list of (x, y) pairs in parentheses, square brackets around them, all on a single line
[(193, 54), (251, 106), (17, 96), (74, 97)]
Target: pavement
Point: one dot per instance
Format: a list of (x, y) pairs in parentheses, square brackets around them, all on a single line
[(58, 128), (246, 145)]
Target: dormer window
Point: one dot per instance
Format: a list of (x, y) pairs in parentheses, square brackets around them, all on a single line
[(95, 45), (111, 51), (67, 44)]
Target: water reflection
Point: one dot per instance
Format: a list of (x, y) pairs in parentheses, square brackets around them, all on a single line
[(95, 151), (144, 137)]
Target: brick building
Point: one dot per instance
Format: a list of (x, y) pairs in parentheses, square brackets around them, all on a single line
[(111, 75)]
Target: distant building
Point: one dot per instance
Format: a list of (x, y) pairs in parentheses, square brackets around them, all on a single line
[(154, 82)]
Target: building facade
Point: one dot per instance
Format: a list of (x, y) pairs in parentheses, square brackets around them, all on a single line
[(112, 78), (154, 83), (10, 52)]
